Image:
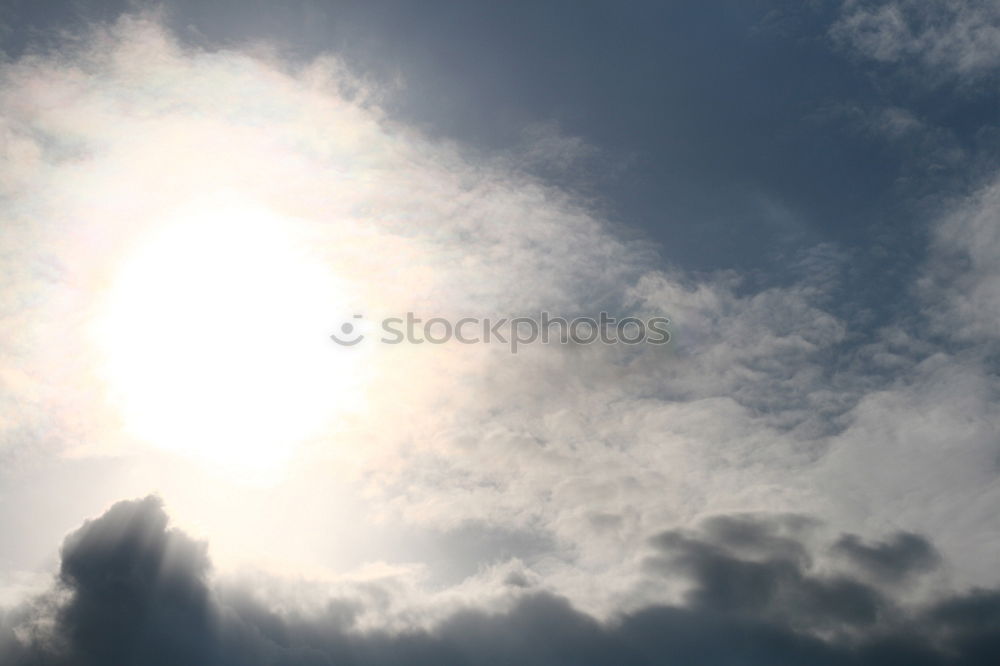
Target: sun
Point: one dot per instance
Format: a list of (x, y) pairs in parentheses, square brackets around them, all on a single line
[(214, 339)]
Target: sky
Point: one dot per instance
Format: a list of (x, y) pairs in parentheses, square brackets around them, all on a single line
[(202, 199)]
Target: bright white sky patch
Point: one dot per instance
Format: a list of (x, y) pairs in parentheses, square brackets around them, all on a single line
[(214, 338)]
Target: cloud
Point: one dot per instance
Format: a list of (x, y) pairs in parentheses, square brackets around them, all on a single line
[(777, 587), (947, 39), (962, 280), (893, 560), (114, 131), (134, 591), (138, 589), (547, 471)]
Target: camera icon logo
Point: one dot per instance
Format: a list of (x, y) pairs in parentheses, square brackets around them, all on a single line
[(349, 331)]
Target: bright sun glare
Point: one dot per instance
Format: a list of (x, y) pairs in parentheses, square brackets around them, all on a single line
[(214, 339)]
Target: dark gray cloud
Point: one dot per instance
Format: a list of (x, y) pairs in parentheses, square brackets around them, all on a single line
[(749, 569), (892, 560), (133, 591)]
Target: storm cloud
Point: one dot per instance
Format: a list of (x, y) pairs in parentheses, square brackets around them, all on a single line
[(132, 590)]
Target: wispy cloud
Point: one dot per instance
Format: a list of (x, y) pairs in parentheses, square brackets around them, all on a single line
[(946, 39)]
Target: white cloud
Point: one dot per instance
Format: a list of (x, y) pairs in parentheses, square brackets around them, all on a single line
[(949, 39), (962, 285)]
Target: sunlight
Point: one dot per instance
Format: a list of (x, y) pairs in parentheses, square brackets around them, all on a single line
[(214, 340)]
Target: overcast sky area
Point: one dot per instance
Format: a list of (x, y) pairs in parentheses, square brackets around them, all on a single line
[(196, 195)]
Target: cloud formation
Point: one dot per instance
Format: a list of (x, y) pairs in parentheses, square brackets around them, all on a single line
[(134, 591), (543, 476), (110, 133), (947, 39)]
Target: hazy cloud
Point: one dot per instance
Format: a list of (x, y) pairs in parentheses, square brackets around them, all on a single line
[(947, 39)]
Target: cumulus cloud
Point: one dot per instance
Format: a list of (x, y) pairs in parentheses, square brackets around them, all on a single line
[(134, 591)]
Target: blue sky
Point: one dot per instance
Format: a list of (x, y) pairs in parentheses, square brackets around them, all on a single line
[(734, 135), (731, 133)]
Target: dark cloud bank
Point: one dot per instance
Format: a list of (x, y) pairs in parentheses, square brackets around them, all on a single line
[(134, 591)]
